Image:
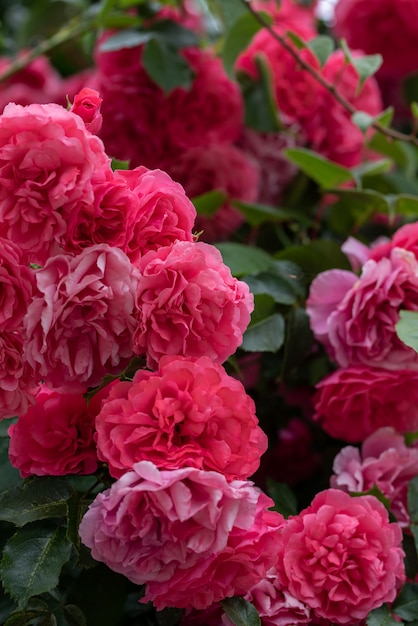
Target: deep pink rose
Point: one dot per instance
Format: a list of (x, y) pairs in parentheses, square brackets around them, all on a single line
[(16, 379), (47, 163), (189, 304), (16, 283), (189, 413), (385, 462), (405, 237), (361, 328), (161, 213), (341, 556), (189, 535), (79, 325), (86, 105), (353, 402), (221, 167), (290, 13), (55, 436), (387, 27)]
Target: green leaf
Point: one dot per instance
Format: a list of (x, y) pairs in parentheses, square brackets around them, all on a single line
[(385, 118), (413, 499), (9, 476), (265, 336), (263, 307), (382, 617), (33, 559), (237, 39), (208, 203), (174, 34), (74, 615), (346, 50), (168, 616), (411, 557), (284, 499), (243, 259), (257, 214), (366, 66), (324, 172), (277, 287), (372, 168), (405, 204), (406, 604), (117, 164), (362, 120), (298, 341), (295, 39), (241, 612), (316, 256), (399, 151), (376, 493), (126, 39), (322, 46), (410, 87), (407, 329), (360, 205), (165, 66), (259, 103), (231, 11), (414, 109)]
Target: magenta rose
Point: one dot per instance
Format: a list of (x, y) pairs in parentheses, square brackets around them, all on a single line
[(405, 237), (86, 105), (55, 436), (385, 462), (16, 378), (188, 413), (341, 556), (190, 536), (47, 163), (360, 328), (189, 304), (161, 213), (353, 402), (80, 323), (17, 283)]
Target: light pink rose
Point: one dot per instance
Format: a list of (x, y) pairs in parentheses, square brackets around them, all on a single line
[(86, 105), (189, 535), (55, 436), (341, 556), (353, 402), (161, 213), (387, 27), (47, 163), (385, 462), (221, 167), (189, 304), (16, 379), (356, 252), (17, 283), (361, 328), (189, 413), (79, 325)]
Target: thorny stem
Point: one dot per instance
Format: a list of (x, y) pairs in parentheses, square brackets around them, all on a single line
[(389, 132)]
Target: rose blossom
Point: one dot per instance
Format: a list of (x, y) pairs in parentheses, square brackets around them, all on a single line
[(161, 214), (16, 379), (221, 167), (188, 413), (361, 327), (385, 462), (79, 325), (189, 304), (341, 556), (189, 535), (47, 162), (16, 281), (353, 402), (87, 106), (405, 237), (55, 436)]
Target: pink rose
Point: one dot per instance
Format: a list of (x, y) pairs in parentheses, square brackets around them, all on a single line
[(17, 283), (353, 402), (221, 167), (16, 379), (189, 304), (47, 162), (161, 214), (55, 436), (290, 13), (87, 106), (387, 27), (361, 328), (189, 535), (385, 462), (405, 237), (188, 413), (341, 556), (79, 325)]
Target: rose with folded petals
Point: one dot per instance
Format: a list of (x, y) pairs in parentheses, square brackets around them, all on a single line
[(55, 436), (86, 105), (188, 413), (189, 304), (190, 536), (353, 402), (48, 161), (405, 237), (17, 284), (80, 323), (385, 462), (16, 379), (341, 556)]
